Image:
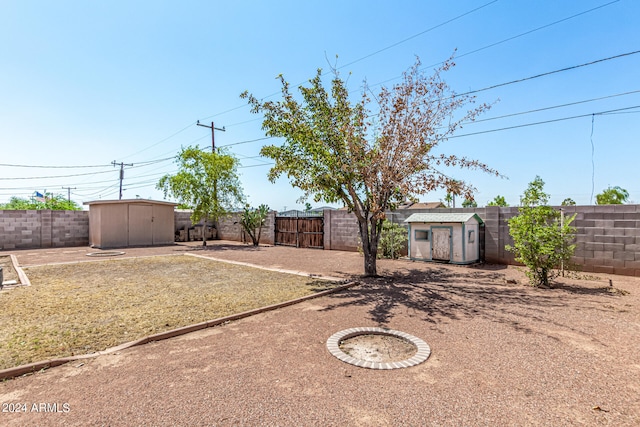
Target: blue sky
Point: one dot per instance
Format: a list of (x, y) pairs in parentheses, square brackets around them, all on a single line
[(88, 83)]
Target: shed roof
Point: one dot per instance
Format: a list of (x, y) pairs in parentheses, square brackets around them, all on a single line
[(442, 217), (130, 201)]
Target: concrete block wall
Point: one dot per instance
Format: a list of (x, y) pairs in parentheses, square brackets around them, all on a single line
[(608, 239), (68, 228), (229, 228), (341, 232), (29, 229), (182, 219)]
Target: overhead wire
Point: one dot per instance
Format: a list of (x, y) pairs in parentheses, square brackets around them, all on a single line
[(389, 47), (416, 35), (541, 122), (622, 55), (386, 48), (537, 110), (371, 54)]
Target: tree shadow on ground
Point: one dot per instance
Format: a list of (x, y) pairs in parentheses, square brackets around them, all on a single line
[(221, 247), (440, 294), (584, 290)]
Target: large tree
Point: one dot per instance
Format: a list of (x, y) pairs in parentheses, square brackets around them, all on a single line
[(333, 152), (208, 182)]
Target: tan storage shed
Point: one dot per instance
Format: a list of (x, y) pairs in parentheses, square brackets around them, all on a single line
[(444, 237), (136, 222)]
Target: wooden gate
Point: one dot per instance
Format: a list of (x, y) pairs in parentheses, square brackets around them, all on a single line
[(301, 232)]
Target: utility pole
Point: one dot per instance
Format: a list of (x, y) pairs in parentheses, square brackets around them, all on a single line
[(213, 129), (122, 165), (69, 192)]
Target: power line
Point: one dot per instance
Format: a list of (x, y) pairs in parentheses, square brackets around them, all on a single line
[(371, 54), (507, 39), (391, 46), (57, 176), (557, 106), (161, 141), (543, 122), (537, 29), (246, 142), (549, 73), (416, 35), (53, 167)]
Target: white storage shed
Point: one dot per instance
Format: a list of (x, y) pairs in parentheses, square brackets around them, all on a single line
[(444, 237)]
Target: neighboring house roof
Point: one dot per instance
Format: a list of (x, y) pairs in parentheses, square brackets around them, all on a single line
[(421, 205), (442, 217)]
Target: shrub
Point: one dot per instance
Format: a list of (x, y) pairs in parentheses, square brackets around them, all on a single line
[(541, 239)]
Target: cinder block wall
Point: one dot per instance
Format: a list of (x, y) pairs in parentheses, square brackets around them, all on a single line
[(68, 228), (229, 228), (28, 229), (341, 231), (607, 237)]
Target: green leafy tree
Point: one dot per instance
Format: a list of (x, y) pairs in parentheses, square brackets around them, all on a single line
[(541, 238), (469, 203), (498, 201), (208, 182), (332, 152), (612, 196), (307, 207), (252, 220), (393, 239), (568, 202), (454, 188), (52, 202), (448, 199)]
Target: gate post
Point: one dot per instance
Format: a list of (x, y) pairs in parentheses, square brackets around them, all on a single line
[(326, 229)]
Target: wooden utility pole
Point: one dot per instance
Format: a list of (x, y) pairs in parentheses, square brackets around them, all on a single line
[(69, 192), (213, 137), (122, 165)]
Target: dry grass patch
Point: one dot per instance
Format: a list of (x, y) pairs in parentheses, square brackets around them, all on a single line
[(86, 307)]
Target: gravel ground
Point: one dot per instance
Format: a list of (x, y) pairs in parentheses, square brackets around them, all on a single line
[(502, 354)]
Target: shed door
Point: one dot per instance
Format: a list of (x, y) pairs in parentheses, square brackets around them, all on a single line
[(441, 244), (140, 225), (163, 225)]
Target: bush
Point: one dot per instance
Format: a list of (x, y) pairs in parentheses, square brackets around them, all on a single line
[(541, 239), (393, 240), (253, 220)]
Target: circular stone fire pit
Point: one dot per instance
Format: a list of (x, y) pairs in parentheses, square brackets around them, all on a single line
[(378, 348), (105, 253)]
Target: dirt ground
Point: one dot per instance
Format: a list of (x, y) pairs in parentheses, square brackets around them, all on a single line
[(8, 273), (503, 353)]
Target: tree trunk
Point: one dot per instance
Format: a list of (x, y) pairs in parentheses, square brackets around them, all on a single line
[(204, 231), (369, 237), (259, 234)]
